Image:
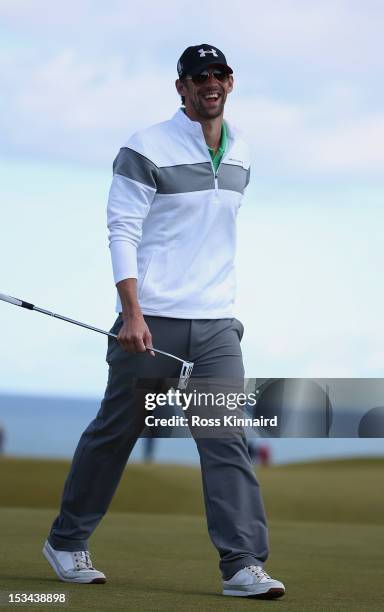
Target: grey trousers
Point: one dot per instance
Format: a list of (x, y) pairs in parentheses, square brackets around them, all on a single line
[(234, 507)]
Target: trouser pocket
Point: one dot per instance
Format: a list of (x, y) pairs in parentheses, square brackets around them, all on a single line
[(113, 344), (239, 328)]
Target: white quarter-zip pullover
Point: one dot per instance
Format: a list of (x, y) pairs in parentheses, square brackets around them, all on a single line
[(172, 219)]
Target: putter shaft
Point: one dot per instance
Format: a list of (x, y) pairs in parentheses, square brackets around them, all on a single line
[(29, 306)]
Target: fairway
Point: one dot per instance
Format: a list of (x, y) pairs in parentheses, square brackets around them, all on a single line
[(160, 561), (336, 491)]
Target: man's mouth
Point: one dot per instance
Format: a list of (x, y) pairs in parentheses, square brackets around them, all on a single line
[(211, 97)]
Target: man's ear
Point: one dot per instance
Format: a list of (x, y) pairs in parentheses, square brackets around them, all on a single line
[(180, 86), (230, 83)]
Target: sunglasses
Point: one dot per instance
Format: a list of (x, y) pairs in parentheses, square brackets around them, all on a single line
[(202, 77)]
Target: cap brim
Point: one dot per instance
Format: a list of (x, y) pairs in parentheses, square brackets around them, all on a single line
[(209, 63)]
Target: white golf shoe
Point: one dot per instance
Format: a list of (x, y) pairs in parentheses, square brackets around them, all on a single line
[(253, 581), (73, 566)]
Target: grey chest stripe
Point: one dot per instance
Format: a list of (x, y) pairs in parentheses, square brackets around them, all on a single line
[(136, 167), (234, 178), (185, 178), (199, 177)]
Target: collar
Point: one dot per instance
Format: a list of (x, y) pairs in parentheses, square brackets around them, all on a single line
[(194, 127), (223, 143)]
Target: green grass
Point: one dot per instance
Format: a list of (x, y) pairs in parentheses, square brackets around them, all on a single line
[(326, 531), (337, 491), (162, 563)]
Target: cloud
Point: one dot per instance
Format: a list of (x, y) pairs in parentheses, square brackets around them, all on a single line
[(308, 289), (75, 110), (327, 33), (307, 94), (78, 110), (86, 96), (311, 137), (38, 15)]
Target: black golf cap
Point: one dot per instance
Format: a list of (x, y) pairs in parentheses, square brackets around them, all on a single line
[(197, 58)]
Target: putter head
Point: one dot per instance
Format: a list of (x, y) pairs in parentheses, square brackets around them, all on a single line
[(185, 374)]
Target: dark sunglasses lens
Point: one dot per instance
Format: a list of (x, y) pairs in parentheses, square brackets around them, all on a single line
[(220, 75), (198, 79)]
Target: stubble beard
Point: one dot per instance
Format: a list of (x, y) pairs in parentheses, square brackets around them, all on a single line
[(206, 113)]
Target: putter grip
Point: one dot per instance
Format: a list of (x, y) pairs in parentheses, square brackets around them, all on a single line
[(16, 301)]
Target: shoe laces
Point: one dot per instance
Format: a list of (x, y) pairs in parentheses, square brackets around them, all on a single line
[(82, 560), (258, 571)]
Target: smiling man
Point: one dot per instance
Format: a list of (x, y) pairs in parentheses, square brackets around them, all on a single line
[(172, 209)]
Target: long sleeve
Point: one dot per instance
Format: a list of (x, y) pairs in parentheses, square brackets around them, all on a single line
[(131, 194)]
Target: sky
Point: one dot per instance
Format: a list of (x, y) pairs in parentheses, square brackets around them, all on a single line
[(78, 79)]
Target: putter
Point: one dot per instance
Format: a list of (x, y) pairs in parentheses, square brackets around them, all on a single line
[(186, 368)]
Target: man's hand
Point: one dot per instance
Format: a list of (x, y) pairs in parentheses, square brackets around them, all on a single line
[(134, 335)]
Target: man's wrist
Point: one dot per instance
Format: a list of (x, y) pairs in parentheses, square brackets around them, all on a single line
[(130, 306), (131, 312)]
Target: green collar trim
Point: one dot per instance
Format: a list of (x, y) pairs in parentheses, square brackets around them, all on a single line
[(216, 158)]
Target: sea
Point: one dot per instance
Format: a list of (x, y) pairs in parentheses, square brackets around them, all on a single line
[(47, 426)]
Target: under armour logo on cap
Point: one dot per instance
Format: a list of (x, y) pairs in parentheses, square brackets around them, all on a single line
[(197, 58), (203, 52)]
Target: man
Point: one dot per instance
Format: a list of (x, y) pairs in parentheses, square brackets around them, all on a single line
[(172, 210)]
